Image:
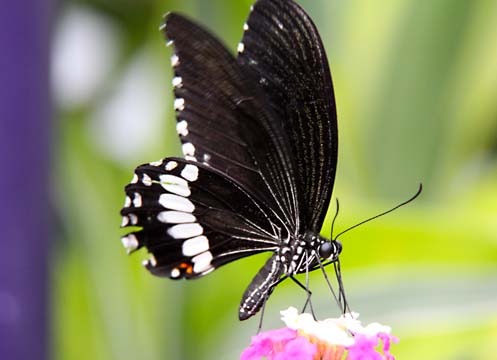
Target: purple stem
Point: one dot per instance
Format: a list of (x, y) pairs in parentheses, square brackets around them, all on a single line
[(24, 172)]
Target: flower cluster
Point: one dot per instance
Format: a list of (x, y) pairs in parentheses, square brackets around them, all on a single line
[(332, 339)]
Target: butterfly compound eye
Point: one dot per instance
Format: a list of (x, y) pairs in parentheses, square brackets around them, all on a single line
[(326, 249), (330, 249)]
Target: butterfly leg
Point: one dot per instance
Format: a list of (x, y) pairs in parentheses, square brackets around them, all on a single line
[(263, 308), (309, 293), (341, 290), (341, 300)]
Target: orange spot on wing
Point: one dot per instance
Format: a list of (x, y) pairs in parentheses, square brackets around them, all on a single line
[(187, 267)]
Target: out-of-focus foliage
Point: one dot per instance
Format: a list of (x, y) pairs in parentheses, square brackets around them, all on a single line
[(415, 83)]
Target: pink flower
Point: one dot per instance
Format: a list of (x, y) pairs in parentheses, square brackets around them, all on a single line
[(344, 338), (281, 344), (387, 339), (364, 347)]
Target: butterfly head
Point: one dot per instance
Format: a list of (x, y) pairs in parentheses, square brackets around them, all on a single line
[(326, 249)]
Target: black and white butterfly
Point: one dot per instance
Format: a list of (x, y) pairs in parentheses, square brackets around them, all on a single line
[(259, 138)]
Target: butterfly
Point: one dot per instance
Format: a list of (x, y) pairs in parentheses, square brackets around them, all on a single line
[(260, 142)]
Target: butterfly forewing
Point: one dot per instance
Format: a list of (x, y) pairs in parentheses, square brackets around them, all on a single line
[(282, 49), (220, 111)]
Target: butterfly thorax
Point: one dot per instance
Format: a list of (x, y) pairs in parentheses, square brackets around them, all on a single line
[(302, 254)]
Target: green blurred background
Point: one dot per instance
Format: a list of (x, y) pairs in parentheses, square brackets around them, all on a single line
[(416, 91)]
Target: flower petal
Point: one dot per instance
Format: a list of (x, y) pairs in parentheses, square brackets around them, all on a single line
[(298, 349), (268, 343)]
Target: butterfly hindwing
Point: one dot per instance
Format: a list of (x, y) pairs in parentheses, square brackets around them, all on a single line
[(193, 219)]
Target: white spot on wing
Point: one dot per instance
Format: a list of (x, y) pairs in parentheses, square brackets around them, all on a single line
[(195, 246), (127, 201), (156, 163), (152, 261), (177, 81), (188, 149), (133, 219), (137, 201), (146, 180), (175, 217), (171, 165), (169, 43), (185, 231), (162, 26), (130, 242), (179, 104), (182, 128), (190, 172), (175, 273), (241, 47), (202, 262), (173, 180), (178, 190), (175, 185), (191, 158), (124, 221), (134, 180), (174, 60), (175, 202), (245, 27)]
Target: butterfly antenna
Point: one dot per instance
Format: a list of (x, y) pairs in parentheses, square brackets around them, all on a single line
[(334, 218), (383, 213)]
